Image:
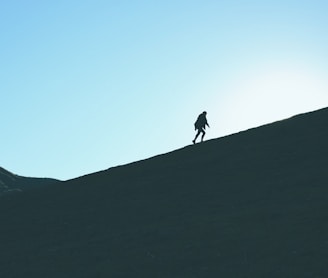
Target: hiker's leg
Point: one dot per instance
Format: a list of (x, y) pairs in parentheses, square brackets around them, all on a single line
[(198, 132), (203, 135)]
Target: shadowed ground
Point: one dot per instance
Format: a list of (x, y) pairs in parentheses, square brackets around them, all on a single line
[(253, 204), (12, 184)]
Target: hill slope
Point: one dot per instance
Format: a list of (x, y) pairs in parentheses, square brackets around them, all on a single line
[(253, 204), (11, 183)]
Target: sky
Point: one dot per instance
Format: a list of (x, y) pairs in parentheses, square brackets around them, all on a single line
[(91, 84)]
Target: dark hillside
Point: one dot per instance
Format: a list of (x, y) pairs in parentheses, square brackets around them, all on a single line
[(253, 204), (11, 183)]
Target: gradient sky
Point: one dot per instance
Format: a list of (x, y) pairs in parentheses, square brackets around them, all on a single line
[(87, 85)]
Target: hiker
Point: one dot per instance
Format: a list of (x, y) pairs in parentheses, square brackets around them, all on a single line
[(200, 126)]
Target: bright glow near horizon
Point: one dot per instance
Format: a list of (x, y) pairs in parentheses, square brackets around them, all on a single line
[(271, 94), (91, 84)]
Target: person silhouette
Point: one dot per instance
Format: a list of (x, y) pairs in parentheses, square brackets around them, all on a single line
[(200, 126)]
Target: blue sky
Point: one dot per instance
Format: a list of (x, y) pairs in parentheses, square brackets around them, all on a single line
[(87, 85)]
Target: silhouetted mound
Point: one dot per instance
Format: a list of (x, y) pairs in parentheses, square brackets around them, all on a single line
[(11, 183), (253, 204)]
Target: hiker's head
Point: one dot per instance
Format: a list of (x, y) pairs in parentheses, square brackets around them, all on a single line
[(204, 113)]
